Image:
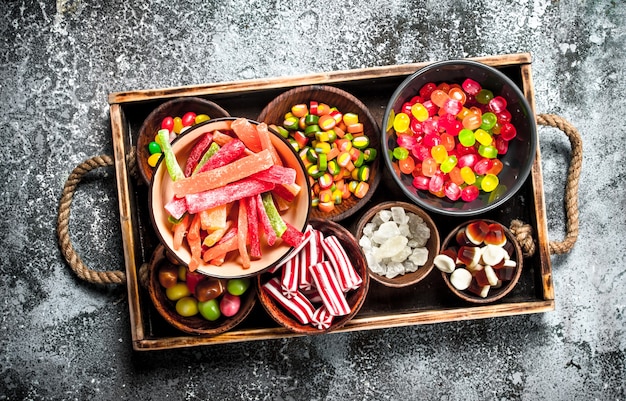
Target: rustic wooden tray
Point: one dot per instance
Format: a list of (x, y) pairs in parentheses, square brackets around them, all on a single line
[(427, 302)]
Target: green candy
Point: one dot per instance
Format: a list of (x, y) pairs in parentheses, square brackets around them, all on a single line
[(173, 168), (276, 220), (237, 286), (210, 310)]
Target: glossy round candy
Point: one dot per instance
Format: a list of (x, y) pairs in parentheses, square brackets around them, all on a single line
[(401, 122)]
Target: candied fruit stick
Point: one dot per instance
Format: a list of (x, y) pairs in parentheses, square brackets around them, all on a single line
[(322, 319), (214, 218), (216, 235), (171, 164), (200, 147), (349, 279), (266, 142), (287, 192), (264, 220), (253, 226), (222, 138), (228, 243), (277, 175), (247, 133), (298, 306), (228, 153), (281, 204), (213, 148), (290, 274), (195, 244), (276, 220), (180, 229), (292, 236), (226, 194), (329, 288), (242, 238), (220, 176), (177, 207)]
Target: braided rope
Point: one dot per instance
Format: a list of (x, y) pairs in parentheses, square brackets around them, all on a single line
[(75, 262)]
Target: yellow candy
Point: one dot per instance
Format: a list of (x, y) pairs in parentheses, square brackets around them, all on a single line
[(200, 118), (489, 182), (401, 122), (482, 137), (178, 125), (350, 118), (419, 112), (439, 153), (153, 159), (468, 175)]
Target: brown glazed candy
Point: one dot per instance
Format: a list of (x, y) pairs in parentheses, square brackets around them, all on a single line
[(209, 289), (168, 275)]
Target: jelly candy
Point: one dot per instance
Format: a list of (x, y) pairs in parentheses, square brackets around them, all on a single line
[(489, 182), (419, 112), (401, 122), (471, 87)]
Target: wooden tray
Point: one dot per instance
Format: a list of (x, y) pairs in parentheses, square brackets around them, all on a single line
[(427, 302)]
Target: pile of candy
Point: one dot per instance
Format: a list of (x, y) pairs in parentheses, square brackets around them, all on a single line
[(313, 283), (334, 149), (394, 242), (195, 293), (175, 126), (480, 260), (449, 138)]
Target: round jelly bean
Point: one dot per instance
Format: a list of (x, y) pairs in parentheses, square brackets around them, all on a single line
[(439, 97), (421, 152), (484, 96), (439, 153), (470, 193), (238, 286), (447, 141), (496, 167), (455, 175), (407, 165), (187, 306), (419, 112), (153, 159), (167, 123), (482, 137), (489, 152), (200, 118), (429, 167), (188, 119), (154, 147), (467, 137), (489, 182), (210, 310), (401, 122), (230, 304), (448, 164), (468, 175), (458, 94), (178, 125), (177, 291), (497, 104), (489, 120), (472, 121), (508, 131), (482, 166)]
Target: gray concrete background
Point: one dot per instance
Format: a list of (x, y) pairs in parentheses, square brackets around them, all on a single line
[(61, 338)]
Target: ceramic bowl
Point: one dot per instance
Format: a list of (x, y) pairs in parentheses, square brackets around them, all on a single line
[(274, 114), (152, 124), (432, 244), (161, 192), (196, 324), (495, 293), (354, 298), (517, 162)]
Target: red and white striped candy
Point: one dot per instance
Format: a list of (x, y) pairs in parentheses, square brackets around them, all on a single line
[(329, 288), (295, 252), (349, 279), (290, 277), (298, 305), (310, 254), (322, 319), (312, 295)]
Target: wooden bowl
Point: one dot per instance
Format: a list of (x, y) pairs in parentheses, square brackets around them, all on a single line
[(194, 324), (494, 294), (432, 244), (161, 192), (355, 298), (274, 113), (152, 124)]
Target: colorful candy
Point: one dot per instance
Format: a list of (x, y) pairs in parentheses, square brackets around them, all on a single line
[(334, 149), (450, 137)]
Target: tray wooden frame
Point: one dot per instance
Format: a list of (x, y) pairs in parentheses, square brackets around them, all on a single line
[(124, 120)]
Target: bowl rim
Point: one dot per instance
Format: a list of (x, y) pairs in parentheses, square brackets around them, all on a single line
[(173, 253), (376, 165), (424, 270), (519, 258), (524, 173)]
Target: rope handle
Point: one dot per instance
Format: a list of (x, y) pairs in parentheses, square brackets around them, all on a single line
[(522, 231), (67, 249)]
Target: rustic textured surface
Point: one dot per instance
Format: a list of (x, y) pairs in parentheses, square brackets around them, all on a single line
[(64, 339)]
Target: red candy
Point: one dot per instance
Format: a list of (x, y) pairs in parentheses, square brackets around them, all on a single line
[(452, 108)]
